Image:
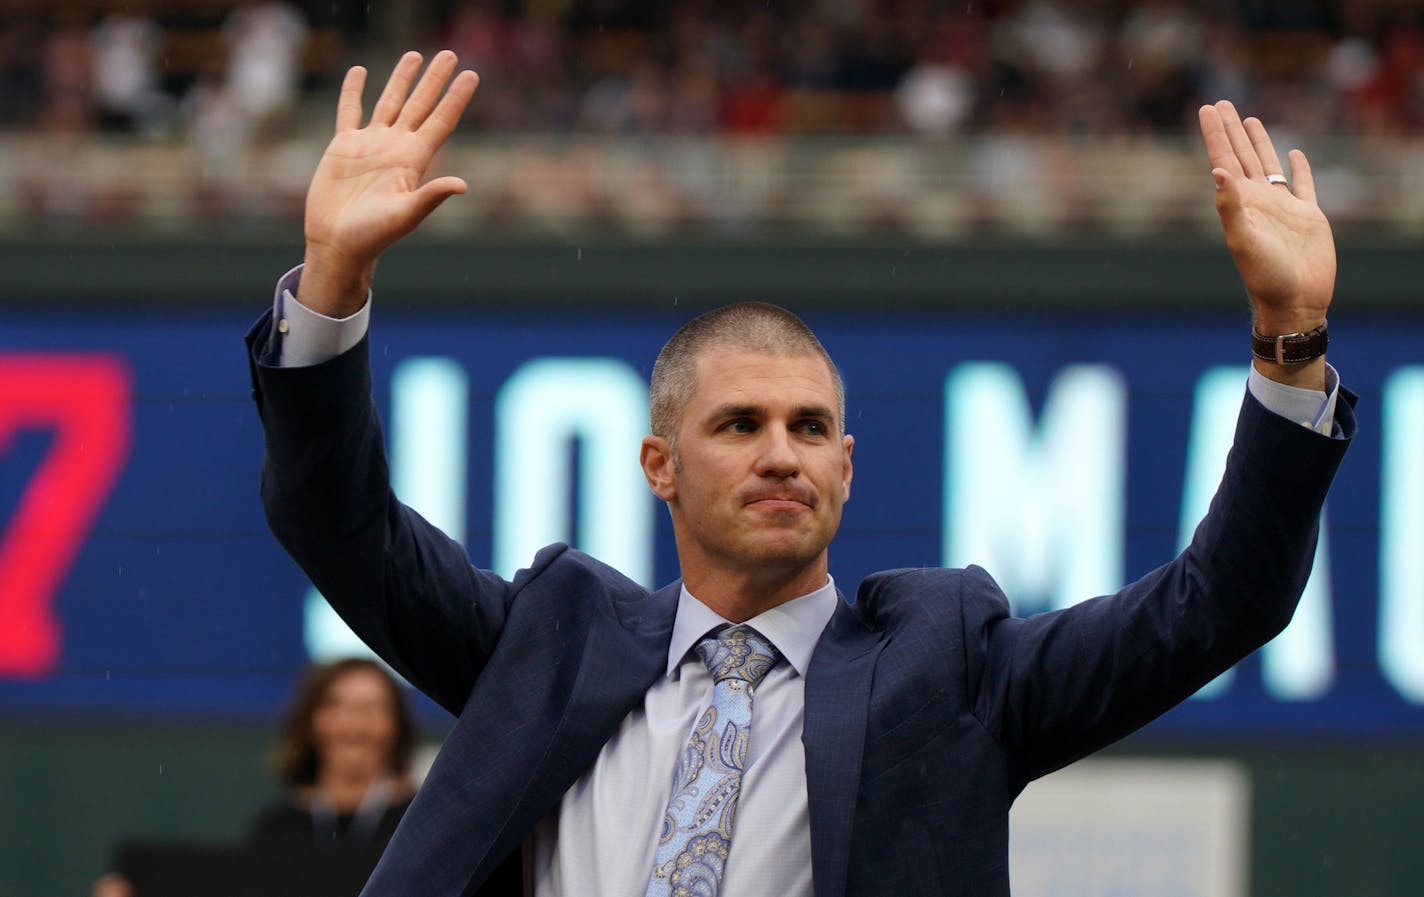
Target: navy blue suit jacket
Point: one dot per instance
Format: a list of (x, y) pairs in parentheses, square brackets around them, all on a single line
[(928, 706)]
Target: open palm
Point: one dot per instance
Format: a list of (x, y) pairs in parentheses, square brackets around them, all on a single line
[(1278, 236), (367, 191)]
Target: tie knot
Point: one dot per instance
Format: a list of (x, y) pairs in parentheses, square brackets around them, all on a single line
[(739, 652)]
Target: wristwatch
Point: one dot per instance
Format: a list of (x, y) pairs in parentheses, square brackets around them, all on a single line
[(1290, 348)]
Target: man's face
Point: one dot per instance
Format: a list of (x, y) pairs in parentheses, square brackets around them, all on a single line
[(760, 470)]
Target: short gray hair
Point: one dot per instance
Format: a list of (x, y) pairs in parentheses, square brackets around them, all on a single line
[(746, 326)]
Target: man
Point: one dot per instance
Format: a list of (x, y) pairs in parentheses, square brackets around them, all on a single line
[(616, 742)]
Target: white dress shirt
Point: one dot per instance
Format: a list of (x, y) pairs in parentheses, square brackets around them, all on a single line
[(600, 840)]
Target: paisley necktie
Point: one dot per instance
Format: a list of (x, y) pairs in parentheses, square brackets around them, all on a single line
[(696, 833)]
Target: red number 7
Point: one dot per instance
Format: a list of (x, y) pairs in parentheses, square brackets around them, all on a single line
[(85, 400)]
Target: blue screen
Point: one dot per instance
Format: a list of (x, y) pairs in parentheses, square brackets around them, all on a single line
[(1066, 454)]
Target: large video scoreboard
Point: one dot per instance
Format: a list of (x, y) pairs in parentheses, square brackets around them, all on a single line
[(1066, 454)]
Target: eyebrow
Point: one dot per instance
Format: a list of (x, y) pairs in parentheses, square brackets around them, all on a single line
[(819, 412), (722, 412)]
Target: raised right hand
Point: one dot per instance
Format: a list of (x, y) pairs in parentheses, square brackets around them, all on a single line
[(367, 191)]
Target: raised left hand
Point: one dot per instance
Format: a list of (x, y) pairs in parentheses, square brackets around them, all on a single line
[(1278, 236)]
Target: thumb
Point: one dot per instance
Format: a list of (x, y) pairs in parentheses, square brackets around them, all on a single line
[(426, 199), (1228, 201)]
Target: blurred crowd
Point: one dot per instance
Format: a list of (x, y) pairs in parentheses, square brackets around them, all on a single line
[(934, 67), (152, 67), (1033, 115), (218, 69)]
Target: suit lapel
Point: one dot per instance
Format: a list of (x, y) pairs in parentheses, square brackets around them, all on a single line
[(837, 705), (620, 661)]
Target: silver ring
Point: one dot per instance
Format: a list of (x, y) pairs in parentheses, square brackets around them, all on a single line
[(1277, 179)]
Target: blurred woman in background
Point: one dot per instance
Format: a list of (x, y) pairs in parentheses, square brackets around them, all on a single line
[(344, 757)]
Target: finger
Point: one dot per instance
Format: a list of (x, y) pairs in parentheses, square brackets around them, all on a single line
[(441, 123), (427, 92), (1261, 143), (348, 105), (397, 86), (1302, 181), (1218, 148), (1240, 143)]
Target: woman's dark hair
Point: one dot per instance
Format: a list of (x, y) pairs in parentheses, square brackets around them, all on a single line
[(296, 759)]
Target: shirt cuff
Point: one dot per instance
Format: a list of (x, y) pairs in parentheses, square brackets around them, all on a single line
[(1311, 408), (302, 337)]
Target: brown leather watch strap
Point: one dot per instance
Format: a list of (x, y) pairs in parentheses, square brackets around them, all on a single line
[(1290, 348)]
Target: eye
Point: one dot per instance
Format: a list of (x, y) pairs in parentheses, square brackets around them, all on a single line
[(740, 425), (814, 428)]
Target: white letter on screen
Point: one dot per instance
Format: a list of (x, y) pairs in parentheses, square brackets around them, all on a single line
[(1041, 509), (1401, 559), (544, 410), (1298, 664)]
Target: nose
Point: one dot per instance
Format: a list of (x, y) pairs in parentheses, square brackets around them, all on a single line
[(778, 457)]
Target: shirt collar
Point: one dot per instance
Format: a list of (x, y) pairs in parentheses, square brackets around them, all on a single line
[(793, 627)]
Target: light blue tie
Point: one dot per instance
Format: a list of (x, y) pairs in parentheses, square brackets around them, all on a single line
[(697, 829)]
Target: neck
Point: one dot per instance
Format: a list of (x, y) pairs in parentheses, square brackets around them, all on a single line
[(738, 595), (345, 790)]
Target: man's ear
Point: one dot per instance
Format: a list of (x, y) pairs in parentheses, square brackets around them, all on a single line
[(656, 456), (848, 443)]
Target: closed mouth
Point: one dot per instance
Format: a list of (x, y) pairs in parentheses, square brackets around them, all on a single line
[(779, 503)]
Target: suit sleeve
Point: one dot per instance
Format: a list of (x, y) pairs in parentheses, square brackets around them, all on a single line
[(1060, 685), (408, 590)]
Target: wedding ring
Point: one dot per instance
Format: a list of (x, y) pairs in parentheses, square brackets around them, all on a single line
[(1276, 179)]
